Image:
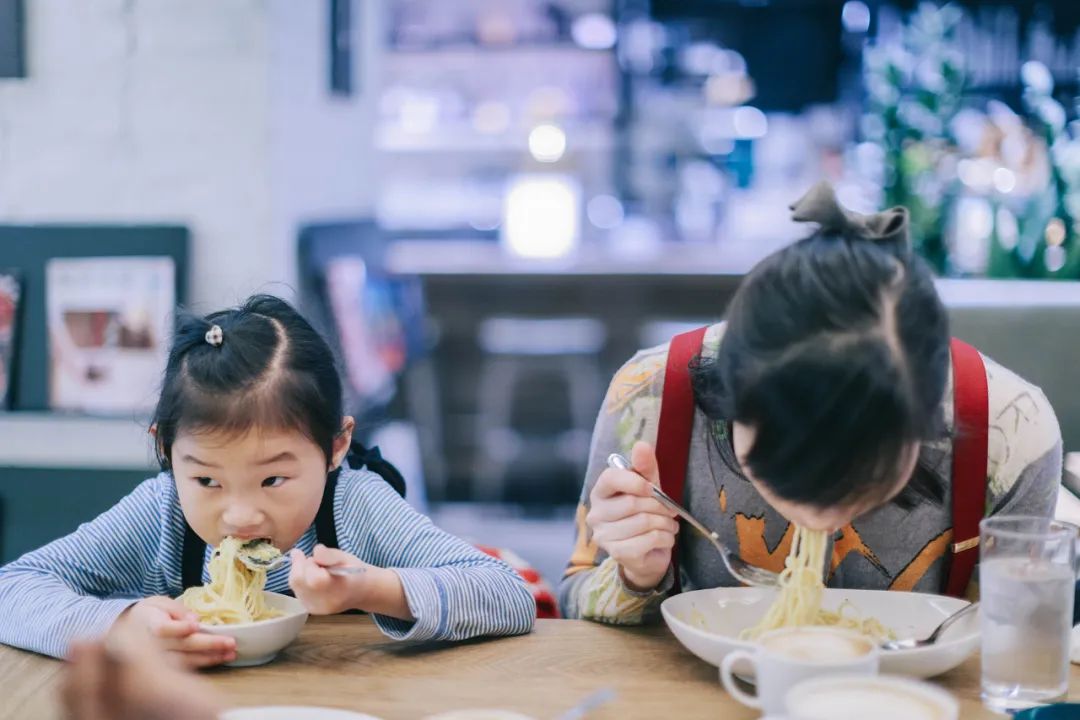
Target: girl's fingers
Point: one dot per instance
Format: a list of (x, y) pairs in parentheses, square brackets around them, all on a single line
[(203, 642), (297, 563), (172, 608), (197, 660), (168, 629), (328, 557), (316, 577)]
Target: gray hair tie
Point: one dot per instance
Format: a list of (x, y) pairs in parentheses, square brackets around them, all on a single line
[(820, 206)]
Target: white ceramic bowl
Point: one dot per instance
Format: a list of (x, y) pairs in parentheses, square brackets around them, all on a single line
[(259, 642), (708, 623)]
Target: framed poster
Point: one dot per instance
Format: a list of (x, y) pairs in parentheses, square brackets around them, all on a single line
[(10, 300), (109, 323)]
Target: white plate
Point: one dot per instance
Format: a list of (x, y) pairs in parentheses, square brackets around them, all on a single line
[(292, 712), (708, 623)]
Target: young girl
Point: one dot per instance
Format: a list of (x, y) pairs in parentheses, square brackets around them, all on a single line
[(252, 442), (824, 401)]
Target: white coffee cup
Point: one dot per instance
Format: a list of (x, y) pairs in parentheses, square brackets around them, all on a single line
[(857, 697), (784, 658)]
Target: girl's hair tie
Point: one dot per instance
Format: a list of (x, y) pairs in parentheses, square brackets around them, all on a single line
[(820, 206), (214, 336)]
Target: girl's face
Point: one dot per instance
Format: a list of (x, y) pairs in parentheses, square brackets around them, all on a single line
[(809, 516), (264, 484)]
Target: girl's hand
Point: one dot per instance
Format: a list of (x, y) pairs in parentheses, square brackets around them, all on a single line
[(321, 592), (177, 631), (631, 526), (374, 590)]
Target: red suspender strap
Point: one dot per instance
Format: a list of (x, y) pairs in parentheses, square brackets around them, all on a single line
[(971, 424), (676, 421)]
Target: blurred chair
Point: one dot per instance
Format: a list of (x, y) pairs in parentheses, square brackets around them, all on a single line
[(539, 388), (1035, 337)]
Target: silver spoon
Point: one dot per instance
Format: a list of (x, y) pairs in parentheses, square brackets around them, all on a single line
[(910, 643), (743, 571)]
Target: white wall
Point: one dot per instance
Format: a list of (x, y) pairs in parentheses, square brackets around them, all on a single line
[(321, 144), (211, 113)]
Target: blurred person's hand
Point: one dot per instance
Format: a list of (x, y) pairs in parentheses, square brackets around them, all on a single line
[(128, 677), (177, 630), (631, 526)]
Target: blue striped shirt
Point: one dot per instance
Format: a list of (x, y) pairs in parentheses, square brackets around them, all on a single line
[(78, 585)]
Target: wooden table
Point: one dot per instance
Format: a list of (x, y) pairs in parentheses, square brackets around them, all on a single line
[(345, 662)]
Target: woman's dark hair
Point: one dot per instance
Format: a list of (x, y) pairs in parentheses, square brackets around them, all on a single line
[(836, 352), (271, 369)]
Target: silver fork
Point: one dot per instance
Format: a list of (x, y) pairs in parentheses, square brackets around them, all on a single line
[(248, 557), (259, 564), (743, 571), (339, 570), (909, 643), (587, 705)]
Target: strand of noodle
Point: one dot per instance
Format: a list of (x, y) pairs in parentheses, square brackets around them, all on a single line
[(801, 592), (234, 593)]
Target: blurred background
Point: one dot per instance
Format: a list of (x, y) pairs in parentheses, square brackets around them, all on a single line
[(489, 205)]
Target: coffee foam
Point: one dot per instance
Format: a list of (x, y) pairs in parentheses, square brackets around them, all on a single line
[(864, 699), (817, 647)]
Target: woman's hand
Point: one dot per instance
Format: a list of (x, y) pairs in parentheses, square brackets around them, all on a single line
[(629, 524)]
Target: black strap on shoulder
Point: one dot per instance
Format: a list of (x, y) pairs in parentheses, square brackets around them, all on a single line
[(325, 529), (191, 558), (372, 459)]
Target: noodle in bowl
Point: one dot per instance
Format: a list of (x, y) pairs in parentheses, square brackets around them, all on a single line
[(799, 602), (712, 623), (234, 593), (234, 603), (260, 641)]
